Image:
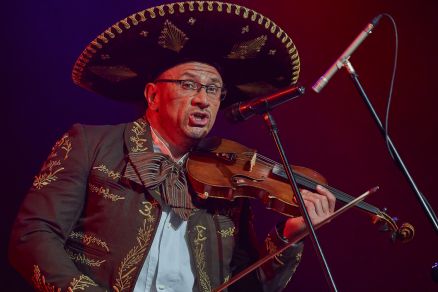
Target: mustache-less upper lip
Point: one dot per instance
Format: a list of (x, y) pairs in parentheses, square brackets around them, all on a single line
[(203, 114)]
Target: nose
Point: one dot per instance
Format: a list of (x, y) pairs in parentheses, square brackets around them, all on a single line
[(201, 98)]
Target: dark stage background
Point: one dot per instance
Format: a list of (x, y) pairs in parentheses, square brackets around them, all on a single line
[(331, 132)]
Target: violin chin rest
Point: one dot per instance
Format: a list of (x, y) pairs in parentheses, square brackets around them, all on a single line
[(209, 144)]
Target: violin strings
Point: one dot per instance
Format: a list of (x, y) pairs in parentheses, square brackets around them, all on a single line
[(309, 183)]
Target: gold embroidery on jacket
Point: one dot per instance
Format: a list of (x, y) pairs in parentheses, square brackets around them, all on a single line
[(230, 231), (105, 192), (53, 164), (271, 248), (139, 129), (81, 283), (130, 263), (81, 258), (39, 282), (88, 239), (200, 258), (111, 174), (147, 211)]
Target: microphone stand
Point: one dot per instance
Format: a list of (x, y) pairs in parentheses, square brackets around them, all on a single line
[(423, 201), (270, 122)]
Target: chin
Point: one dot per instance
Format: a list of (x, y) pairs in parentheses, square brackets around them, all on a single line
[(197, 133)]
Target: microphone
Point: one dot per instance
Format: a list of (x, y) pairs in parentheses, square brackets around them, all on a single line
[(241, 111), (319, 85)]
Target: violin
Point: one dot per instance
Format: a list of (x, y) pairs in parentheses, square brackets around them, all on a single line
[(225, 169)]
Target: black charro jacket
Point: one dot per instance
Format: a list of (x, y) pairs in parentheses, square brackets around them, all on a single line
[(86, 226)]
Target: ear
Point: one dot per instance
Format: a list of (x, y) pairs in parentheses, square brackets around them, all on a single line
[(150, 94)]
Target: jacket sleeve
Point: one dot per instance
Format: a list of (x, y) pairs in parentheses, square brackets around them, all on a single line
[(47, 215), (275, 274)]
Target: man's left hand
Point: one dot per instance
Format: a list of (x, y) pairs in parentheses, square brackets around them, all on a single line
[(319, 205)]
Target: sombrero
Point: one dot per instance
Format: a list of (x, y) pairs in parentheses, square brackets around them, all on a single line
[(255, 55)]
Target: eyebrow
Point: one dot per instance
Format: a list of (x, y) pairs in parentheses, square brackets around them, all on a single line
[(190, 75)]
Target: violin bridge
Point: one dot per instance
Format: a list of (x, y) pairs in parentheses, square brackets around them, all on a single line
[(253, 160)]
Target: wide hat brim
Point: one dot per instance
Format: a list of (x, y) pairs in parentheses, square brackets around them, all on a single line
[(255, 55)]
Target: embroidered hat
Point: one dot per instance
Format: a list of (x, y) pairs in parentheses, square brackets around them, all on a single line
[(255, 55)]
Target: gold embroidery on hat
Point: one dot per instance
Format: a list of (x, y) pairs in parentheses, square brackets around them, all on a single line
[(191, 6), (279, 33), (170, 7), (272, 52), (151, 12), (247, 49), (53, 165), (81, 284), (200, 5), (39, 282), (113, 73), (228, 7), (144, 33), (200, 258), (261, 19), (273, 28), (181, 7), (160, 9), (237, 11), (89, 239), (191, 21), (96, 44), (104, 192), (117, 28), (133, 19), (245, 29), (254, 16), (81, 258), (110, 33), (210, 5), (267, 23), (89, 52), (125, 23), (142, 17), (172, 37), (130, 262), (139, 129)]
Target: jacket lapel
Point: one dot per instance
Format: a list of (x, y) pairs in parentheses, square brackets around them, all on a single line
[(138, 140)]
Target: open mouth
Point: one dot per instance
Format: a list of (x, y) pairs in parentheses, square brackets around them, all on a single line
[(198, 119)]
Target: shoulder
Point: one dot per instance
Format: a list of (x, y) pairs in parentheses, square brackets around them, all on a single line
[(98, 132)]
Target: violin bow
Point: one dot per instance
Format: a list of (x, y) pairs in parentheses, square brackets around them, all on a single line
[(294, 240)]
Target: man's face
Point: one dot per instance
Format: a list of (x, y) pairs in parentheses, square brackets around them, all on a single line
[(185, 115)]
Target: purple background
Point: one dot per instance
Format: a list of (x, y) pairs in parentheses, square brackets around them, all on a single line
[(331, 132)]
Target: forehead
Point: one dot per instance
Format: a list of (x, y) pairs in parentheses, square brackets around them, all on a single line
[(193, 69)]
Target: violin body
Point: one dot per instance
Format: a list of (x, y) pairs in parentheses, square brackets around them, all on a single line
[(232, 170)]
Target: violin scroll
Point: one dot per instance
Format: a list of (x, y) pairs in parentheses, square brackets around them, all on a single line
[(404, 233)]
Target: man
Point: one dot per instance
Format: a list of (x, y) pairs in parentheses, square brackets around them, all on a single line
[(111, 209)]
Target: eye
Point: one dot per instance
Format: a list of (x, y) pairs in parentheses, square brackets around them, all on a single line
[(212, 89), (188, 85)]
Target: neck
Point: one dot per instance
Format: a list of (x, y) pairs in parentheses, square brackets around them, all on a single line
[(176, 149)]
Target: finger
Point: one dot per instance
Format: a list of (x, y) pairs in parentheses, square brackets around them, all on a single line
[(310, 207), (329, 195), (317, 201)]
